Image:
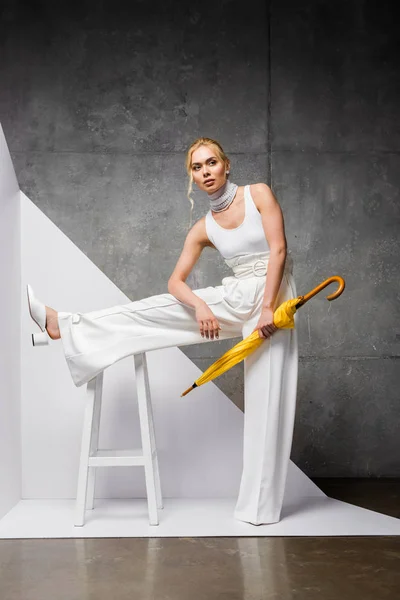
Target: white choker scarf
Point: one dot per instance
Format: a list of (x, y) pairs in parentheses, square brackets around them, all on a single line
[(223, 197)]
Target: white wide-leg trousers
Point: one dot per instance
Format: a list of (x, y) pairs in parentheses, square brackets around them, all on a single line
[(95, 340)]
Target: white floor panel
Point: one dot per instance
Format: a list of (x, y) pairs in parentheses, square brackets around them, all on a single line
[(312, 516)]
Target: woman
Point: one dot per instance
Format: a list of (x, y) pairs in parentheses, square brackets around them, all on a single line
[(245, 224)]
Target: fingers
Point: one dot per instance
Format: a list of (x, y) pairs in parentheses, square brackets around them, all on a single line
[(210, 329), (267, 331)]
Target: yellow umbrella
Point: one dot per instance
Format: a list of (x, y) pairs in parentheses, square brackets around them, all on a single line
[(283, 318)]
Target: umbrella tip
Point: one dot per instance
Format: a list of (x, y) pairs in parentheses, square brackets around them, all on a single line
[(187, 391)]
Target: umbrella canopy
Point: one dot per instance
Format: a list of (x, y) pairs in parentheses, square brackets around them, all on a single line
[(283, 318)]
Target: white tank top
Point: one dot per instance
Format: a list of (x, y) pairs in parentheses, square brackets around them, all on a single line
[(247, 238)]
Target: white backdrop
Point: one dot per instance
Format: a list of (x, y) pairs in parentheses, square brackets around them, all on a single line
[(10, 310)]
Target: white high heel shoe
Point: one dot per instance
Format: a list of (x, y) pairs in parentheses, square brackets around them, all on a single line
[(38, 313)]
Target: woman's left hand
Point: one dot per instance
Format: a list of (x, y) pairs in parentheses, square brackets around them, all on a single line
[(265, 323)]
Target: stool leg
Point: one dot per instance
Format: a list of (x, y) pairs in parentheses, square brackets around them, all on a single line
[(85, 452), (94, 444), (139, 360), (153, 442)]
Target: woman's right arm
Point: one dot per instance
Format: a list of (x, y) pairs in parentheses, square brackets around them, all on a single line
[(194, 245), (196, 241)]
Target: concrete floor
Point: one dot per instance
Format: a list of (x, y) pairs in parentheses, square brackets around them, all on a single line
[(251, 568)]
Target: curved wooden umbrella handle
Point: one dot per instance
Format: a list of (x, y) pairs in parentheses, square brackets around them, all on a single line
[(323, 285)]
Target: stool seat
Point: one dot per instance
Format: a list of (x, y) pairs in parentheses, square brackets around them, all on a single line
[(92, 457)]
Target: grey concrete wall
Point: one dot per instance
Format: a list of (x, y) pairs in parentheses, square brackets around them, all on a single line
[(99, 102)]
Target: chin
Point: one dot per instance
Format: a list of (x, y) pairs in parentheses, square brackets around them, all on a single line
[(216, 185)]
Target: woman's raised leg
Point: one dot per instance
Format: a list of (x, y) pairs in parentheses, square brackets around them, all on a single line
[(93, 341)]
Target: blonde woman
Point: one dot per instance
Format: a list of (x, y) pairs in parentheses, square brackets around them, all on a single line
[(245, 224)]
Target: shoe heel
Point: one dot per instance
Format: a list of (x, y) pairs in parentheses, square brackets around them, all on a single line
[(40, 339)]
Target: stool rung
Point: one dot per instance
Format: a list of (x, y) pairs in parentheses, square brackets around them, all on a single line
[(117, 458)]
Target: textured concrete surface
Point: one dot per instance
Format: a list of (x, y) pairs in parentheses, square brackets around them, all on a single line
[(342, 215), (347, 418), (133, 77), (333, 72), (214, 568), (99, 103)]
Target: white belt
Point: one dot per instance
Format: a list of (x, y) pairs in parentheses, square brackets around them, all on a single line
[(254, 265)]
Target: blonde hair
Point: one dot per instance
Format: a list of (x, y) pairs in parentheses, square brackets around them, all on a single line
[(201, 141)]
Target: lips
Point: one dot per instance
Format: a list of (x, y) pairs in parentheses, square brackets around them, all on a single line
[(209, 181)]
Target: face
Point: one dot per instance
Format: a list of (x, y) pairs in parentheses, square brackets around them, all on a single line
[(208, 170)]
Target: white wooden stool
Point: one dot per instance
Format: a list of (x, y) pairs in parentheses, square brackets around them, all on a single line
[(92, 457)]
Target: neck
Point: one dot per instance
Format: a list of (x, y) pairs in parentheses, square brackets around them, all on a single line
[(223, 197)]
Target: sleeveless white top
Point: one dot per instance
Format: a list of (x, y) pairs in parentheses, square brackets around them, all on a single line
[(247, 238)]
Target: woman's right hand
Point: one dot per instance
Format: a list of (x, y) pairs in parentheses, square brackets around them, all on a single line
[(207, 321)]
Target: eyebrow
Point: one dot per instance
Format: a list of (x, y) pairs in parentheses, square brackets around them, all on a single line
[(209, 158)]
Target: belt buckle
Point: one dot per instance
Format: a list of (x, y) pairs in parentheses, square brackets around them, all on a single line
[(263, 263)]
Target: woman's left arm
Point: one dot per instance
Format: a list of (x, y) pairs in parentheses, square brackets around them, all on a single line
[(274, 228)]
